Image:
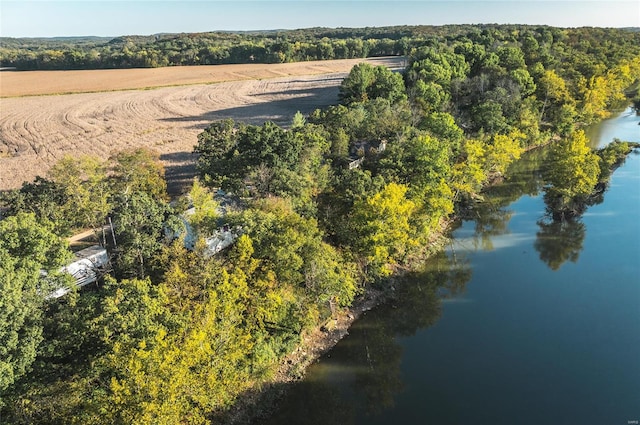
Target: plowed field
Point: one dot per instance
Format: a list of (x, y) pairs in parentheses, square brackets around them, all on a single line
[(39, 128)]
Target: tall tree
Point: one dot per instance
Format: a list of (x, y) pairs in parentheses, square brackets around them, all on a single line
[(139, 170), (384, 223), (20, 317), (205, 217), (356, 87), (552, 91), (366, 82), (45, 198), (84, 182), (572, 173), (27, 249), (138, 220), (216, 150), (422, 163)]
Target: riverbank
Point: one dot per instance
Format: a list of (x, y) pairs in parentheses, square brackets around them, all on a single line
[(550, 306), (260, 403)]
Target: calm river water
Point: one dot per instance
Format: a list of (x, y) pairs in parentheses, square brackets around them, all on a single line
[(521, 321)]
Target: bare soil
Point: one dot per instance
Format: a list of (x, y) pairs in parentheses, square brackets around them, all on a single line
[(39, 128)]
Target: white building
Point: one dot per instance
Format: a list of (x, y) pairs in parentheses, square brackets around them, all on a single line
[(87, 267)]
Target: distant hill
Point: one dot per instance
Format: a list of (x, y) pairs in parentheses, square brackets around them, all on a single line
[(269, 46), (50, 42)]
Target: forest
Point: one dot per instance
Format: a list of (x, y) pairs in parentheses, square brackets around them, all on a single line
[(335, 204), (211, 48)]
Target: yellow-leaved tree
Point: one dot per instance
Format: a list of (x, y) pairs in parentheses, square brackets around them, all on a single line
[(385, 226), (572, 171), (502, 150), (469, 175)]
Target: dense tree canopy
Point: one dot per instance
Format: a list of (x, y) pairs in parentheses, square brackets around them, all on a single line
[(366, 82), (28, 248), (323, 208)]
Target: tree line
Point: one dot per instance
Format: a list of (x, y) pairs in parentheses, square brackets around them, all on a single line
[(300, 45), (329, 206)]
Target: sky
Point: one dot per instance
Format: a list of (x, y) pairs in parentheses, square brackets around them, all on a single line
[(54, 18)]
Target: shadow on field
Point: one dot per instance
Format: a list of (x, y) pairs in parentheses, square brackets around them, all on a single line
[(180, 169), (180, 166), (280, 111)]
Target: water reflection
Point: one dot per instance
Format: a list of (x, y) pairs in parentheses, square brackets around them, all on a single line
[(555, 242), (492, 216), (559, 241), (536, 341), (361, 377), (524, 177), (490, 224), (623, 126)]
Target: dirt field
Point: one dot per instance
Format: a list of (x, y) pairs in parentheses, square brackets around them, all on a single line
[(36, 131)]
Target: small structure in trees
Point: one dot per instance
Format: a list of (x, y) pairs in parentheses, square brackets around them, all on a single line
[(221, 238), (360, 150), (89, 265)]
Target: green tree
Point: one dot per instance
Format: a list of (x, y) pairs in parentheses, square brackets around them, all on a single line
[(27, 239), (45, 198), (292, 248), (84, 182), (511, 58), (357, 85), (216, 149), (423, 164), (572, 173), (502, 150), (139, 170), (429, 96), (205, 217), (552, 91), (468, 175), (20, 318), (611, 156), (488, 116), (336, 204), (525, 81), (366, 82), (298, 120), (139, 221), (27, 247), (440, 67), (443, 126), (528, 122), (388, 85), (173, 366), (329, 277)]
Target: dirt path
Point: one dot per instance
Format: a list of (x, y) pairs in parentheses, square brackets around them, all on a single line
[(36, 131)]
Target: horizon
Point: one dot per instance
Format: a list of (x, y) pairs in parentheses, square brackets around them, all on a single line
[(111, 36), (114, 18)]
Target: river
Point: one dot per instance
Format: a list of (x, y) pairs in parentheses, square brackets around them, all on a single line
[(521, 321)]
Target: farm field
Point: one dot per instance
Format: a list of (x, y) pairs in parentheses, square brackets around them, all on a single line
[(106, 110)]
